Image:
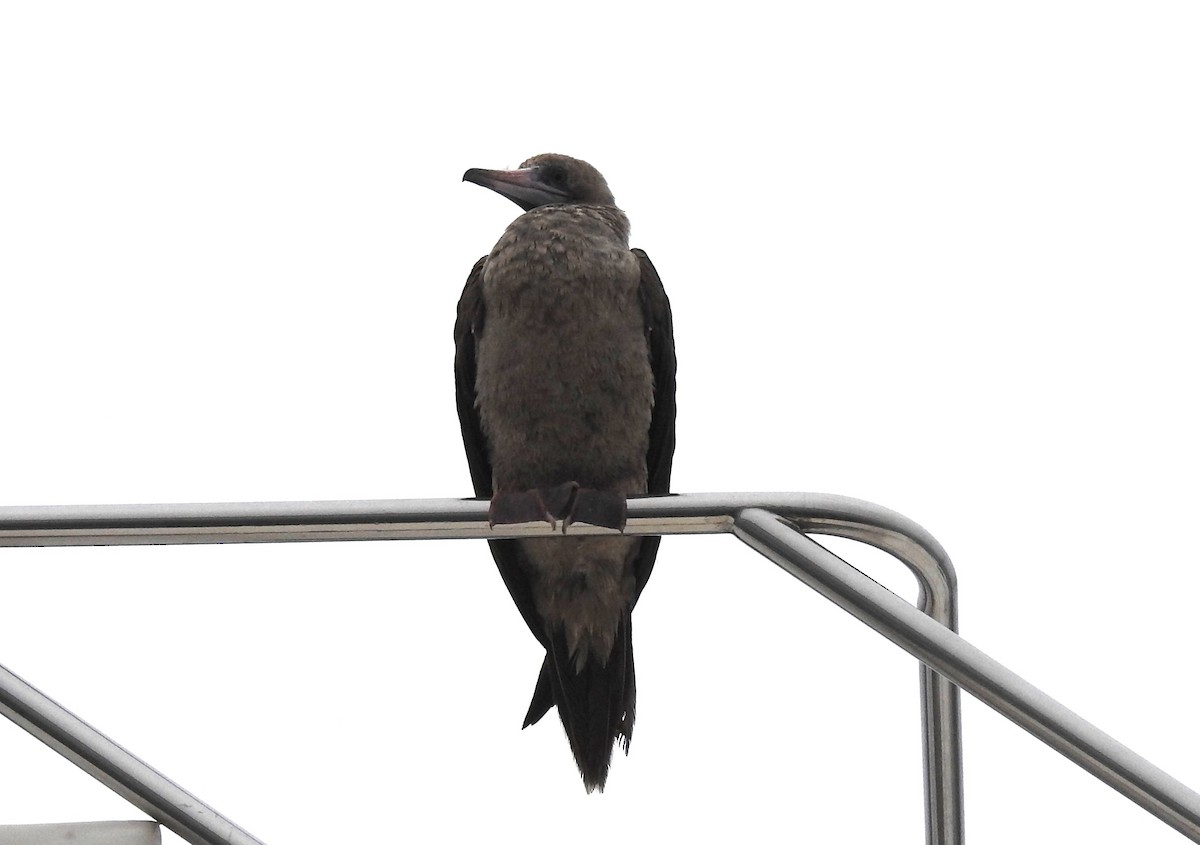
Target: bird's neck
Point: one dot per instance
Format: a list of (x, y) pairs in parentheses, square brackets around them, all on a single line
[(611, 216), (615, 218)]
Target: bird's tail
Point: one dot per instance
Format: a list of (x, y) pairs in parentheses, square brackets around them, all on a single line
[(595, 703)]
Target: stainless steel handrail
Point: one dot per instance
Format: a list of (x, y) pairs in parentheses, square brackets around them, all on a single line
[(947, 653), (767, 522), (411, 519), (134, 780)]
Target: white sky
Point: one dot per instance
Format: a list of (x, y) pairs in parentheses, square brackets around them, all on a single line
[(935, 255)]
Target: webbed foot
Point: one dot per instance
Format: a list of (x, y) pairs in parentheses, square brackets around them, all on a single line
[(601, 508), (547, 504), (567, 502)]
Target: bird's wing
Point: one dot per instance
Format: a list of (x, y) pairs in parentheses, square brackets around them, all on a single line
[(656, 310), (506, 552), (466, 329), (660, 339)]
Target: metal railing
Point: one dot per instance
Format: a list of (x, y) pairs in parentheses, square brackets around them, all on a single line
[(776, 525)]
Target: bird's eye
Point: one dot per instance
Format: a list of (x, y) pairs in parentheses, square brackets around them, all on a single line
[(555, 175)]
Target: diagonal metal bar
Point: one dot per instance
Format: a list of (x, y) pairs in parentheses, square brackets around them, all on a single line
[(143, 786), (412, 519), (993, 684)]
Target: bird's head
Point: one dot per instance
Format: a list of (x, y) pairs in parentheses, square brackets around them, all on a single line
[(546, 179)]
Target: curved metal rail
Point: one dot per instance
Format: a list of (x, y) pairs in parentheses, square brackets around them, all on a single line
[(773, 524)]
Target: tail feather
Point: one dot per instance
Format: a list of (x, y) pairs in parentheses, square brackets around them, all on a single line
[(543, 695), (629, 693), (595, 703)]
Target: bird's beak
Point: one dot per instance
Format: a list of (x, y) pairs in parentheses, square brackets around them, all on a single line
[(525, 187)]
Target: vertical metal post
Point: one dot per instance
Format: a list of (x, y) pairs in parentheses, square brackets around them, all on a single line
[(941, 730), (937, 598)]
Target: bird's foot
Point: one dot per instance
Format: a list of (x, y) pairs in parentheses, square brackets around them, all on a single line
[(547, 504), (601, 508), (567, 502)]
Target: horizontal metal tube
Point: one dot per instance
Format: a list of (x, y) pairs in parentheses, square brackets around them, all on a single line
[(938, 647), (425, 519)]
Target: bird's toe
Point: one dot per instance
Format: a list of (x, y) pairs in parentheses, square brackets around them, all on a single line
[(513, 508), (602, 508), (559, 499)]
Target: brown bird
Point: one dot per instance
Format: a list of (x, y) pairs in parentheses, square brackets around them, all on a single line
[(565, 375)]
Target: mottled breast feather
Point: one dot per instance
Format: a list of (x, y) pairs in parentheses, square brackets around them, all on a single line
[(564, 385)]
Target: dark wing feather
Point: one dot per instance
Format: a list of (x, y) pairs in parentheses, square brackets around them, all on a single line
[(466, 329), (660, 338), (506, 553)]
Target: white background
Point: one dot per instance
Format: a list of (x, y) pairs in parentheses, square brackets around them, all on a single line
[(940, 256)]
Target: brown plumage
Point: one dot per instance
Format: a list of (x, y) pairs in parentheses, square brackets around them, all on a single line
[(565, 371)]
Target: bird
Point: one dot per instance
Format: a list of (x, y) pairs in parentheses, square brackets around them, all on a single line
[(565, 386)]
